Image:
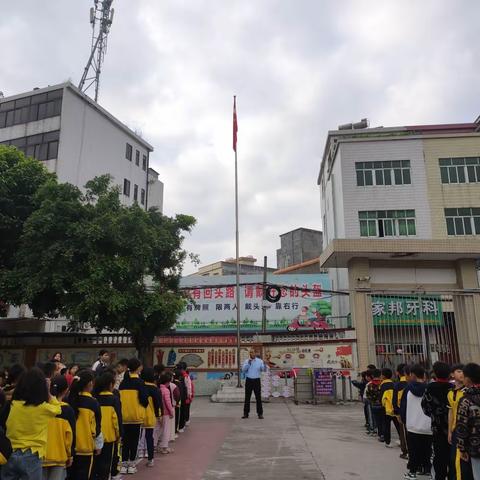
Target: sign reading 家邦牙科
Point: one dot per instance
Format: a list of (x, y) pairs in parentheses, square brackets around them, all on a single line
[(407, 310), (213, 304)]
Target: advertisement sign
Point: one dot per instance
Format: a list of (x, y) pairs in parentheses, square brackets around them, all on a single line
[(213, 305), (407, 310), (323, 382)]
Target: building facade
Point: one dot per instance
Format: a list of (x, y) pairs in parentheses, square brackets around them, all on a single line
[(298, 246), (401, 214), (78, 140), (229, 267)]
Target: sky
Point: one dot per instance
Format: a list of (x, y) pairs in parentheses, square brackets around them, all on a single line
[(298, 67)]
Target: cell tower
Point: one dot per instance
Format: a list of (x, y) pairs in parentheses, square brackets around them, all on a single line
[(101, 18)]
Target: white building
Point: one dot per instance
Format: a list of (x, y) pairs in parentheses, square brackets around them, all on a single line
[(79, 140)]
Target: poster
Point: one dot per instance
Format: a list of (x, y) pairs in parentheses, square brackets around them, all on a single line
[(213, 306), (205, 358), (407, 310), (338, 356), (323, 382)]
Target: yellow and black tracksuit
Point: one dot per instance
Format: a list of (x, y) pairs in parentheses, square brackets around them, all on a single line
[(60, 438), (134, 399), (5, 448), (88, 428), (462, 469), (152, 412), (111, 430)]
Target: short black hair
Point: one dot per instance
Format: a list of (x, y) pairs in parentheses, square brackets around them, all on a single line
[(457, 366), (14, 372), (441, 370), (165, 378), (408, 369), (32, 387), (417, 370), (123, 361), (58, 385), (159, 368), (49, 368), (387, 373), (376, 373), (102, 352), (133, 364), (472, 371), (401, 368), (371, 367), (148, 375), (103, 382)]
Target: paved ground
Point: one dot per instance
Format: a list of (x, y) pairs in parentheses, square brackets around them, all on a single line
[(293, 442)]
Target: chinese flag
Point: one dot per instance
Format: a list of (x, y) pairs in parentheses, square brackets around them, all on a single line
[(235, 124)]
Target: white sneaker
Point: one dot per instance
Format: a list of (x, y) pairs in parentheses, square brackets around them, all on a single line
[(131, 469), (181, 430), (117, 477), (123, 469), (389, 445), (150, 463)]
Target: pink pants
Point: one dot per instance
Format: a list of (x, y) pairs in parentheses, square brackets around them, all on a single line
[(165, 432)]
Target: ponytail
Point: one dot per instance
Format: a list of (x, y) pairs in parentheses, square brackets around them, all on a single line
[(80, 381)]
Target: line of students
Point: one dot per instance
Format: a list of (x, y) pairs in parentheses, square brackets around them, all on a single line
[(52, 431), (435, 419)]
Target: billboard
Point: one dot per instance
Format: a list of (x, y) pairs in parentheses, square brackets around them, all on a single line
[(213, 305)]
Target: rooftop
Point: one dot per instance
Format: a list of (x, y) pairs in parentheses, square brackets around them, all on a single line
[(87, 99)]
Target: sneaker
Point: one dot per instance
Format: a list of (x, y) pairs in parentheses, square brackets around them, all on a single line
[(389, 445), (381, 439), (410, 475), (404, 456), (245, 416), (424, 473), (150, 463), (117, 477), (131, 469), (260, 417), (181, 430), (123, 469), (187, 423)]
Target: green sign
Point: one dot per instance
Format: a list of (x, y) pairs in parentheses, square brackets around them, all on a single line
[(407, 311)]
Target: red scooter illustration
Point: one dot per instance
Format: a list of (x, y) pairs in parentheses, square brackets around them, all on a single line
[(301, 321)]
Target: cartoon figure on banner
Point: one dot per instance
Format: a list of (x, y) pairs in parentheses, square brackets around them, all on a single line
[(314, 316), (172, 357)]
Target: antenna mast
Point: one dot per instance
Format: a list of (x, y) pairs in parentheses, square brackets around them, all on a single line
[(101, 18)]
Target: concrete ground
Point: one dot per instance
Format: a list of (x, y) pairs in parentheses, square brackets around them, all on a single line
[(323, 442)]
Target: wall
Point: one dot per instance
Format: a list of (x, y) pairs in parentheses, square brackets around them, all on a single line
[(298, 246), (388, 197), (449, 195)]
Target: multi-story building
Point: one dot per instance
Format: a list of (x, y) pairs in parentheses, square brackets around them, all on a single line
[(299, 246), (401, 213), (229, 267), (78, 139)]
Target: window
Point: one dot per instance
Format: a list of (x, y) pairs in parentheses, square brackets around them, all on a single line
[(463, 221), (128, 152), (126, 187), (137, 158), (460, 170), (144, 163), (30, 109), (387, 223), (41, 146), (135, 193), (142, 196), (396, 172)]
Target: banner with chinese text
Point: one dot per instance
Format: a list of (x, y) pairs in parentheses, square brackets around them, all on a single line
[(407, 310), (212, 306)]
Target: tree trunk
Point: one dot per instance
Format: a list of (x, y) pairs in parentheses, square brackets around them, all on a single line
[(144, 350)]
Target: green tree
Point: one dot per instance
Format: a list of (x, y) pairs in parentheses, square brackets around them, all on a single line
[(323, 307), (88, 257), (20, 180)]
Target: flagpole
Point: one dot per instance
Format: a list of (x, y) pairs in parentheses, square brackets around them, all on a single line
[(237, 242)]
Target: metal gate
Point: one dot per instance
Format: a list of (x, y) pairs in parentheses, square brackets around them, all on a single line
[(416, 328)]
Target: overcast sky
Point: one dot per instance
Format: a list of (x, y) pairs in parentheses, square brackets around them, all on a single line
[(298, 67)]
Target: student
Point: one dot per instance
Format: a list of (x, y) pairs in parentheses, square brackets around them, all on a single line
[(61, 435), (361, 385), (88, 438), (398, 389), (189, 386), (31, 409), (121, 368), (111, 425), (14, 373), (418, 425), (468, 419), (180, 407), (71, 372), (168, 412), (374, 397), (387, 388), (175, 396), (134, 401), (102, 362), (152, 412)]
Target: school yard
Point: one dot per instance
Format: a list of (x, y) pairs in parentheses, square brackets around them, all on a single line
[(321, 442)]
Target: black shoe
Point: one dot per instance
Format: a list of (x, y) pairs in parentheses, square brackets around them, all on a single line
[(245, 416), (260, 417)]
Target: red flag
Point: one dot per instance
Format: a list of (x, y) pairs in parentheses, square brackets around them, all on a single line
[(235, 124)]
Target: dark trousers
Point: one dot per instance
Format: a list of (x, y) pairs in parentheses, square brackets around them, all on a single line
[(81, 468), (102, 464), (115, 459), (459, 469), (177, 417), (149, 442), (419, 452), (441, 454), (131, 435), (182, 416), (187, 412), (365, 413), (253, 385), (387, 431), (379, 416)]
